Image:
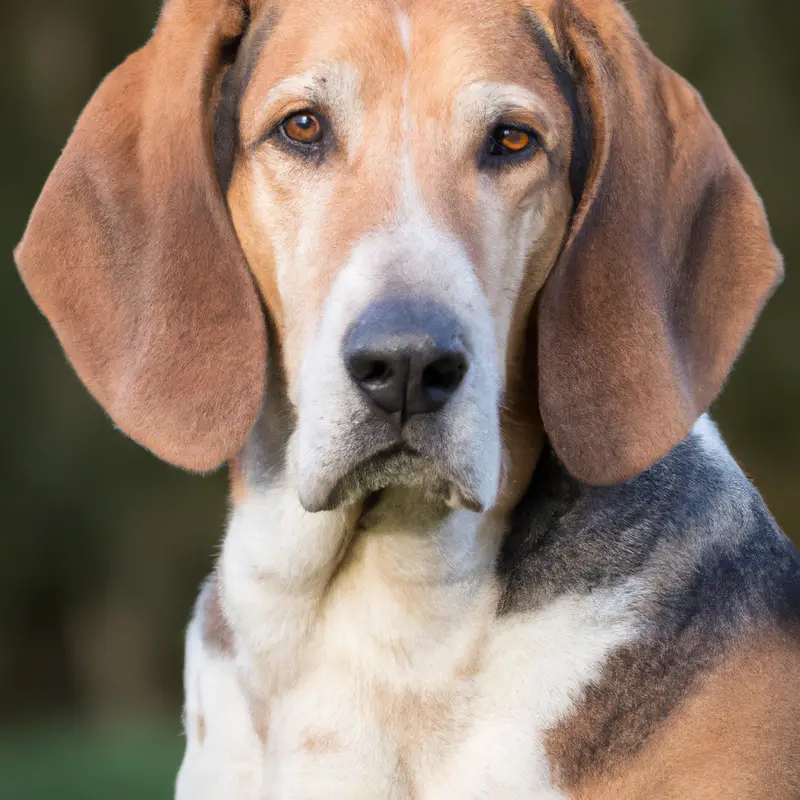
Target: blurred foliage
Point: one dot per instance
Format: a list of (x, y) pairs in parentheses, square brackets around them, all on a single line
[(103, 547), (71, 762)]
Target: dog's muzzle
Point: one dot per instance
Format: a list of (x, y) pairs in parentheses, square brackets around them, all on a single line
[(400, 401)]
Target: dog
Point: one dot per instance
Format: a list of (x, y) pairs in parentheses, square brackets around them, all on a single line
[(451, 286)]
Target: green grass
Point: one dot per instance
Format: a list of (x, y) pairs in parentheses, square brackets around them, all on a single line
[(78, 762)]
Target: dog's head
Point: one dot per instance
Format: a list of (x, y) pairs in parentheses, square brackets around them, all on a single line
[(465, 223)]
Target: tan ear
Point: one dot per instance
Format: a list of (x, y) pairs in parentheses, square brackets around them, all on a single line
[(131, 255), (668, 263)]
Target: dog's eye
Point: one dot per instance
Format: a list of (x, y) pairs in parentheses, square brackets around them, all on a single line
[(510, 139), (303, 128), (509, 142)]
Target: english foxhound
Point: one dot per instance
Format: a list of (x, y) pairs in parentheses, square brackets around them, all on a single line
[(451, 285)]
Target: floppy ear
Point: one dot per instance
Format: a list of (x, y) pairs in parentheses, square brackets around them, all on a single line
[(131, 254), (668, 263)]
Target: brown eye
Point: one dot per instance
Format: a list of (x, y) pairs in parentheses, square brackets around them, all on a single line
[(507, 141), (303, 128), (514, 140)]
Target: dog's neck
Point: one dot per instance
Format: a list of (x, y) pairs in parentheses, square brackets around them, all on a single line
[(406, 586)]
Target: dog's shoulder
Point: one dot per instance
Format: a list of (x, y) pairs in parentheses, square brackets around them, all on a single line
[(725, 729), (692, 531), (711, 680)]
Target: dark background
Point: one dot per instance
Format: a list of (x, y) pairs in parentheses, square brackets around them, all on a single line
[(102, 547)]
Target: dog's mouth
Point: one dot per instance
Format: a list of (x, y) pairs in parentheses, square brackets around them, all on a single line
[(400, 465)]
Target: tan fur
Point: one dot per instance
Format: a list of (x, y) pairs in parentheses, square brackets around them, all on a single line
[(604, 338), (737, 735), (319, 742), (217, 634), (131, 255), (668, 263), (237, 484), (366, 184)]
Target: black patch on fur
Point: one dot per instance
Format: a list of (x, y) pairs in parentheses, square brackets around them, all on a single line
[(569, 79), (715, 566), (238, 57), (692, 507)]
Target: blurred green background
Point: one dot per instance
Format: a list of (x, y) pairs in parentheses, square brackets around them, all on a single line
[(102, 547)]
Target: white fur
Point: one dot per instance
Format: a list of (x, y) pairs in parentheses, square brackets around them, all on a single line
[(706, 430), (536, 666), (404, 26), (408, 253), (377, 662), (223, 756)]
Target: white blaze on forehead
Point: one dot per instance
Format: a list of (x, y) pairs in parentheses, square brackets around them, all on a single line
[(404, 24)]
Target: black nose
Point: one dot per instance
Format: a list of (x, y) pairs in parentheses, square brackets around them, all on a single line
[(407, 355)]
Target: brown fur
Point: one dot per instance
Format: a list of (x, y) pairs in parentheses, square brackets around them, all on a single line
[(366, 188), (640, 687), (131, 255), (736, 735), (667, 266), (217, 633)]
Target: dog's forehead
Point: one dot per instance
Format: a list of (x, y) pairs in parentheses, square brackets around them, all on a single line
[(431, 49)]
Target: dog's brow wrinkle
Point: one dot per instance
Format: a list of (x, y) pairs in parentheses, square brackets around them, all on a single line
[(304, 84)]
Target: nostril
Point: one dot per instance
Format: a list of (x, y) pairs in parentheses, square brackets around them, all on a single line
[(370, 370), (445, 374), (382, 377)]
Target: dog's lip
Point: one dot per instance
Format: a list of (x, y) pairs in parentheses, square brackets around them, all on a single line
[(386, 453), (395, 449), (332, 497), (326, 500)]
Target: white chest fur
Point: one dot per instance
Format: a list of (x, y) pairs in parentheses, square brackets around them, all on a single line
[(374, 665)]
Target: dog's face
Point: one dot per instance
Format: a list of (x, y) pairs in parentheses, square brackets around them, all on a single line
[(466, 223), (399, 218)]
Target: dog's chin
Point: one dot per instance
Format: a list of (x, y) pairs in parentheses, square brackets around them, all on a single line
[(397, 467)]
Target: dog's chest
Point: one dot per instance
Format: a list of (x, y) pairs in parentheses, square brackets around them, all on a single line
[(391, 675), (477, 731)]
